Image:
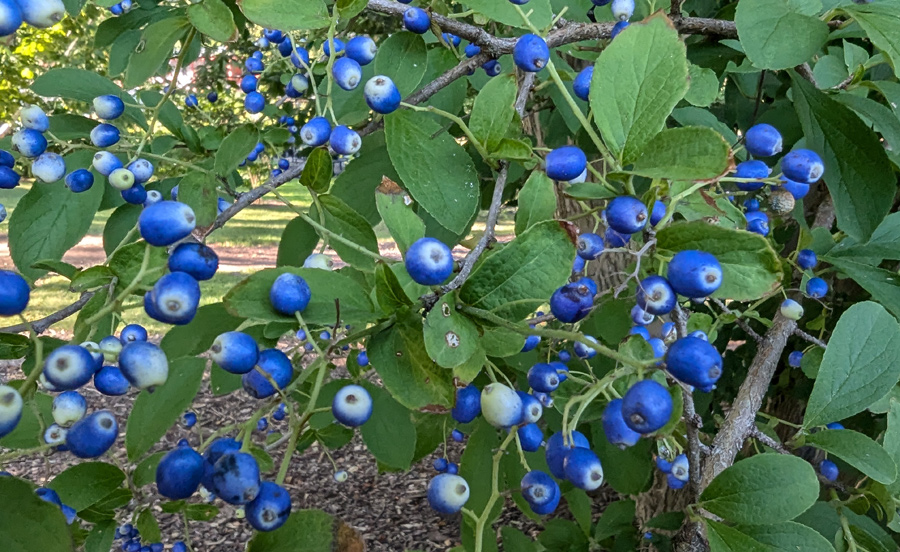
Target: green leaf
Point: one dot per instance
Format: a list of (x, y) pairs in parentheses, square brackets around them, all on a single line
[(388, 292), (476, 457), (403, 58), (505, 12), (222, 382), (235, 148), (858, 450), (513, 150), (51, 206), (357, 184), (398, 355), (857, 170), (883, 244), (778, 35), (390, 436), (723, 538), (201, 512), (318, 171), (447, 185), (298, 241), (637, 478), (198, 191), (859, 366), (309, 14), (881, 21), (493, 111), (148, 526), (513, 539), (78, 84), (452, 97), (537, 202), (704, 88), (101, 537), (562, 535), (145, 472), (580, 506), (305, 530), (402, 222), (878, 116), (520, 277), (788, 535), (350, 8), (631, 106), (250, 298), (154, 413), (892, 438), (589, 190), (126, 263), (766, 488), (84, 485), (750, 267), (63, 269), (686, 153), (198, 335), (881, 283), (450, 338), (345, 222), (28, 523), (616, 519), (154, 49), (91, 278), (214, 19)]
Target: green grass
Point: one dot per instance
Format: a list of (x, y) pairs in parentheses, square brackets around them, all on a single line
[(258, 226)]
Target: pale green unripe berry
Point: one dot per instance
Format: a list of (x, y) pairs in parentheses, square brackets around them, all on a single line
[(791, 309), (500, 405), (121, 179)]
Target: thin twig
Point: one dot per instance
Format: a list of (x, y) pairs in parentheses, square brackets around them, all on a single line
[(812, 339), (741, 323), (41, 325)]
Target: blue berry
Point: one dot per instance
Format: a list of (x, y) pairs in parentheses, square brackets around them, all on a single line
[(758, 223), (468, 404), (657, 213), (694, 274), (752, 169), (429, 262), (362, 359), (235, 477), (144, 365), (540, 491), (248, 83), (618, 28), (695, 362), (448, 493), (347, 73), (361, 49), (93, 435), (646, 406), (316, 132), (572, 302), (108, 107), (189, 419), (10, 17), (174, 298), (795, 359), (617, 431), (803, 165), (655, 295), (352, 406), (191, 100), (166, 222), (29, 142), (382, 95), (179, 472), (344, 140), (589, 246), (416, 20), (196, 259), (11, 406), (829, 470), (276, 365), (556, 449), (531, 342), (270, 509), (763, 140), (500, 405), (582, 83), (565, 163), (531, 53), (582, 468), (68, 367), (104, 135), (531, 437), (622, 9), (289, 294), (254, 102), (338, 46), (816, 288), (807, 259), (543, 378), (14, 293)]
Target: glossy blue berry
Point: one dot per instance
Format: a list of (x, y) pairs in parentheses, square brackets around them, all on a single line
[(557, 448), (752, 169), (254, 65), (174, 299), (816, 288), (429, 262), (589, 246), (531, 53), (584, 351), (7, 159), (11, 406), (196, 259), (617, 431), (248, 83), (235, 477), (110, 381), (141, 169), (543, 377), (352, 406), (191, 101), (345, 140), (166, 222), (105, 162), (582, 468), (29, 142), (618, 28), (626, 214), (806, 259), (541, 492), (565, 163), (763, 140), (144, 365), (532, 409), (531, 342), (235, 352), (758, 223), (655, 295), (657, 213), (468, 404), (212, 97), (694, 274), (300, 58), (447, 493), (695, 362), (179, 472), (289, 294), (279, 369), (796, 189), (68, 367), (382, 95), (109, 107), (10, 17), (471, 50), (362, 359), (829, 470), (416, 20), (14, 293), (347, 73), (803, 165), (93, 435), (492, 68), (270, 509), (254, 102), (531, 437), (9, 178), (135, 195), (361, 49), (338, 46), (582, 83), (316, 132), (571, 302), (646, 406), (795, 359)]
